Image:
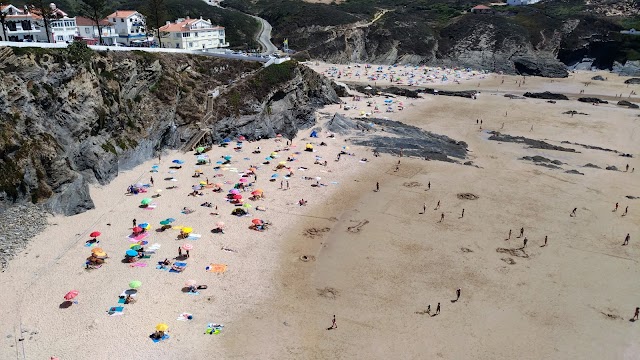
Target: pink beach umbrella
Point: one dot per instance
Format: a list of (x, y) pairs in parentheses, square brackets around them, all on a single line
[(187, 246), (234, 191), (71, 295), (220, 224), (243, 180)]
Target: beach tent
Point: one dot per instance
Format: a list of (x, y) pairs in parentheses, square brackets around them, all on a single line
[(239, 212), (314, 134)]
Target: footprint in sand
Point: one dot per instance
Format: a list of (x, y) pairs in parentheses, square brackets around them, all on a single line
[(356, 228)]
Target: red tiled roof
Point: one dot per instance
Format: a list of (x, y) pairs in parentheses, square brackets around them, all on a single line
[(184, 26), (122, 14), (83, 21)]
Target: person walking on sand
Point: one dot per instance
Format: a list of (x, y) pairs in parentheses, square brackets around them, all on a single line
[(573, 213), (635, 316), (151, 181), (521, 232), (525, 243), (627, 169), (437, 205), (333, 323), (134, 222), (424, 208), (179, 251), (441, 218), (458, 294), (437, 309), (397, 168), (377, 186), (287, 184), (429, 309), (626, 240), (187, 253), (509, 237), (626, 209), (429, 185), (616, 209), (281, 183), (462, 215), (545, 241)]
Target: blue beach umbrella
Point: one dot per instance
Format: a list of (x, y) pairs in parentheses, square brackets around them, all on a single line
[(131, 252)]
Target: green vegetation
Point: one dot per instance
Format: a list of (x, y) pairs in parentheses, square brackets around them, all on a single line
[(108, 147), (79, 53)]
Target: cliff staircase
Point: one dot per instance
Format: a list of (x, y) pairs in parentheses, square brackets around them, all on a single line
[(195, 139)]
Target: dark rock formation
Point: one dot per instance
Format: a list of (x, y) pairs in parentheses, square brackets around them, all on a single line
[(538, 144), (541, 159), (391, 136), (342, 125), (374, 90), (66, 122), (590, 147), (634, 81), (628, 104), (18, 225), (576, 172), (573, 112), (592, 100), (545, 66), (630, 68), (612, 168), (546, 95), (598, 78), (590, 165), (511, 96)]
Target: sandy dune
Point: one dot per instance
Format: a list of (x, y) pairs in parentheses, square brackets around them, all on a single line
[(375, 261)]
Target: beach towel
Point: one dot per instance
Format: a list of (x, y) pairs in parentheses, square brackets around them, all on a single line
[(213, 328), (185, 316), (193, 292), (162, 267), (138, 264), (165, 337), (121, 300), (181, 265), (90, 244), (151, 207), (115, 310), (154, 247), (194, 236), (217, 268), (137, 238)]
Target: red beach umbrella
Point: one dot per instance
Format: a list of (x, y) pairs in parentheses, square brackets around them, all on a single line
[(137, 229), (187, 246), (71, 294), (95, 234), (256, 221), (237, 197)]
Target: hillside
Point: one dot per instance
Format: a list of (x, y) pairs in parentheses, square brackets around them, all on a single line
[(443, 32), (70, 118)]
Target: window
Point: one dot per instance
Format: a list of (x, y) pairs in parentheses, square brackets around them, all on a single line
[(121, 20), (70, 37), (177, 35), (190, 44), (113, 20), (87, 30), (196, 34), (177, 46), (186, 34), (60, 38)]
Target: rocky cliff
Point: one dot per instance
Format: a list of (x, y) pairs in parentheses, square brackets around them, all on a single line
[(69, 118)]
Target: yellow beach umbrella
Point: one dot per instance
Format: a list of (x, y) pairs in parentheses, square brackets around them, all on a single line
[(162, 327), (187, 230)]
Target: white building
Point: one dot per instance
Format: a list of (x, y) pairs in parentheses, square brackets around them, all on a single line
[(62, 28), (193, 34), (88, 31), (521, 2), (20, 24), (630, 32), (130, 27)]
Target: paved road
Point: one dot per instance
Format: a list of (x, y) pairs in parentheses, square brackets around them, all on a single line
[(264, 36)]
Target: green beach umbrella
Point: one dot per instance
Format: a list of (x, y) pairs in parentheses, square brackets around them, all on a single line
[(146, 201), (200, 149), (165, 222), (135, 247), (135, 284)]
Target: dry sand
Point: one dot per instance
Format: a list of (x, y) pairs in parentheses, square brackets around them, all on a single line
[(380, 262)]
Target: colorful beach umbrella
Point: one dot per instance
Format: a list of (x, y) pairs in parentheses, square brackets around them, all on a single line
[(95, 234), (135, 247), (137, 229), (71, 294), (146, 201), (227, 157), (200, 149), (97, 250), (243, 180), (162, 327), (187, 246), (234, 191), (256, 221), (143, 225), (135, 284), (131, 252), (237, 197), (220, 224), (164, 223), (187, 230)]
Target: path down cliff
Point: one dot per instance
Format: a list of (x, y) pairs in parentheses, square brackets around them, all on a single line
[(264, 36)]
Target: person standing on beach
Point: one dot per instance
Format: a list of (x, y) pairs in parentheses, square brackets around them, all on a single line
[(616, 209), (626, 240), (377, 186), (521, 232), (525, 243), (151, 181), (437, 309), (287, 184), (429, 185), (437, 205), (627, 169), (462, 215), (187, 253), (458, 294), (179, 251), (429, 309), (333, 323), (281, 183), (509, 237), (424, 208), (635, 316), (573, 213), (545, 241), (626, 209), (134, 222), (441, 218)]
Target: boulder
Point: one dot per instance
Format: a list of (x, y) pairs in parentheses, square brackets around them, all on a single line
[(597, 78), (546, 95), (634, 81), (628, 104), (592, 100), (540, 66)]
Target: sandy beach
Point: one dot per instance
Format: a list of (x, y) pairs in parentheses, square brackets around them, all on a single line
[(375, 260)]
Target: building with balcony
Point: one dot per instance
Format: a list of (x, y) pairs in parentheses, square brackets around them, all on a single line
[(20, 24), (193, 34), (130, 27), (88, 31)]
